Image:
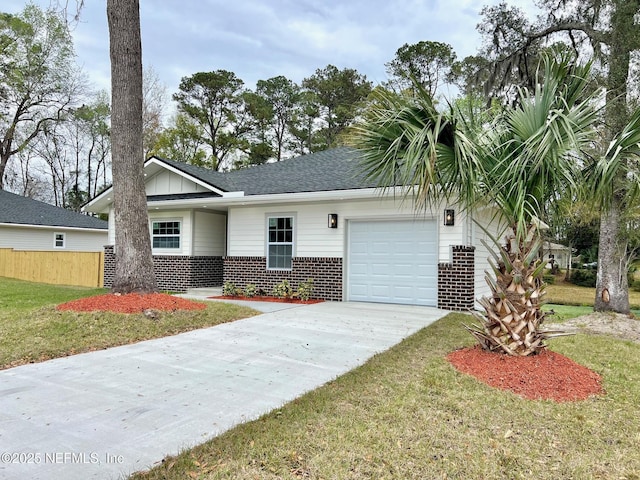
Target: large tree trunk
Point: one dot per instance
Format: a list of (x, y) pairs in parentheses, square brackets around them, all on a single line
[(612, 288), (134, 263), (3, 167)]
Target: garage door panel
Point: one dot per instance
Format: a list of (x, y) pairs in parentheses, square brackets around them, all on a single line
[(380, 269), (359, 248), (393, 262)]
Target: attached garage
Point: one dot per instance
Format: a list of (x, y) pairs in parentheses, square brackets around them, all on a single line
[(393, 262)]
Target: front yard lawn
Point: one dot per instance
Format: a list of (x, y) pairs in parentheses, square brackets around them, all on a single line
[(569, 294), (32, 330)]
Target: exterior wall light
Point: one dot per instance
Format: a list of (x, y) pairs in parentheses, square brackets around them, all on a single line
[(449, 217), (333, 220)]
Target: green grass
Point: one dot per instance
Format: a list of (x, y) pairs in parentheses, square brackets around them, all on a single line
[(570, 301), (20, 296), (565, 312), (568, 294), (408, 414), (32, 330)]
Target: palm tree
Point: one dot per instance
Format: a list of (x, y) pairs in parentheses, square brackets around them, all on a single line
[(516, 163)]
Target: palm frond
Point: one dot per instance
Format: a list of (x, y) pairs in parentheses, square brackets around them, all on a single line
[(617, 172)]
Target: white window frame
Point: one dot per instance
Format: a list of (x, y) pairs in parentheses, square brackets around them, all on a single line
[(154, 236), (55, 240), (269, 243)]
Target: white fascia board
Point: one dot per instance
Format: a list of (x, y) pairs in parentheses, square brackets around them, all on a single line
[(54, 227), (274, 199)]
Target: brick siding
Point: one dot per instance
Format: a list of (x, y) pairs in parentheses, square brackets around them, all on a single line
[(109, 265), (178, 273), (456, 280), (325, 271), (173, 272)]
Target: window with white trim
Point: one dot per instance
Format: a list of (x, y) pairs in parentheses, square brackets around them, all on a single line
[(58, 240), (165, 233), (279, 243)]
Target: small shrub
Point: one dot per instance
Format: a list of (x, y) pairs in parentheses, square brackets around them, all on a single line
[(250, 290), (229, 289), (549, 279), (584, 277), (283, 290), (305, 289)]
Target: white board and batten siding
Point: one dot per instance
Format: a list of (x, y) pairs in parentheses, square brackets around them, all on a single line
[(38, 238), (167, 183)]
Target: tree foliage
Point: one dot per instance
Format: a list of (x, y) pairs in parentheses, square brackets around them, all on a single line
[(38, 78), (215, 102), (339, 95), (282, 96), (427, 63), (154, 104), (181, 140)]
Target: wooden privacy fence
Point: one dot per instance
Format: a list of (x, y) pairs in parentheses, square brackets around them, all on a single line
[(83, 269)]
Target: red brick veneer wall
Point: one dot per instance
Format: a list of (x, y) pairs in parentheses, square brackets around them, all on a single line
[(325, 271), (173, 272), (456, 280)]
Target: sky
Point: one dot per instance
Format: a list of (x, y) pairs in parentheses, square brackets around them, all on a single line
[(260, 39)]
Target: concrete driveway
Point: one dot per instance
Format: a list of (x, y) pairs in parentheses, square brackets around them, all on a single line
[(109, 413)]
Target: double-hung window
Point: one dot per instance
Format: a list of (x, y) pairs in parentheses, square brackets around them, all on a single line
[(58, 240), (165, 234), (279, 243)]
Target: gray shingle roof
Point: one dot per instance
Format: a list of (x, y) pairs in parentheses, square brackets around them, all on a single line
[(26, 211), (334, 169)]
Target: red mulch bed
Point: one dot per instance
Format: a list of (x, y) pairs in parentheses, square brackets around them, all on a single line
[(267, 299), (131, 303), (546, 376)]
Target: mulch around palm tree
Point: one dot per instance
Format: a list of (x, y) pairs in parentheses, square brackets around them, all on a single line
[(545, 376)]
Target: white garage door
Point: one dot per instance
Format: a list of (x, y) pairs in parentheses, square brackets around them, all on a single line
[(393, 262)]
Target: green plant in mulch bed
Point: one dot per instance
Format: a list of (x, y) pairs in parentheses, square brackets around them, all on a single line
[(283, 290), (229, 289), (305, 289), (250, 290)]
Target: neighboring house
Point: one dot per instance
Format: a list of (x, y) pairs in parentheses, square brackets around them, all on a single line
[(313, 216), (27, 224), (559, 253)]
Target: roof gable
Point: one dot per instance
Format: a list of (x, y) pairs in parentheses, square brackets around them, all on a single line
[(330, 170), (20, 210)]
